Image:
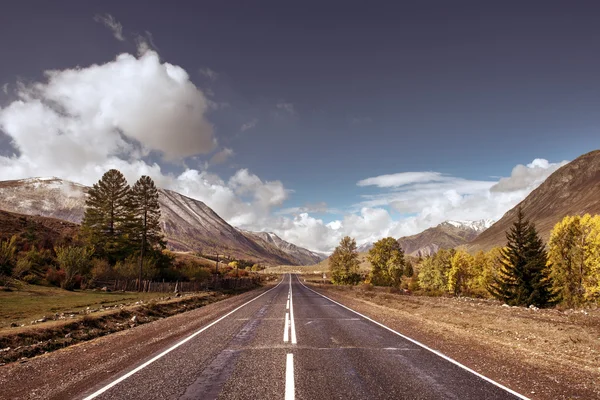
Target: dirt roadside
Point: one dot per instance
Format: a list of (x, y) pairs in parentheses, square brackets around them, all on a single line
[(542, 354), (64, 373)]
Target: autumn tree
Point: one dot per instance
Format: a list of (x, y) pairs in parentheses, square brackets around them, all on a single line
[(105, 222), (524, 277), (387, 261), (343, 263), (433, 271), (574, 252), (460, 274), (146, 234)]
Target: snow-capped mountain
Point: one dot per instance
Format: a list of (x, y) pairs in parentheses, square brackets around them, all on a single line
[(189, 224), (448, 234), (478, 226)]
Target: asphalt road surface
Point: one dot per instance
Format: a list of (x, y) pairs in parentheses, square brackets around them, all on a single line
[(292, 343)]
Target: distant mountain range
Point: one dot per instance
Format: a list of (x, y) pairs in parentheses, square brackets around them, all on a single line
[(189, 225), (448, 234), (573, 189)]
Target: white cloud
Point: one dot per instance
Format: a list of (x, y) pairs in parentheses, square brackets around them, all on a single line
[(524, 176), (111, 23), (221, 156), (401, 179), (88, 115), (288, 107), (248, 125), (5, 88), (208, 73)]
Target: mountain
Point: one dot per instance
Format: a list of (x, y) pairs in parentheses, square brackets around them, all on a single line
[(300, 255), (189, 225), (572, 189), (448, 234)]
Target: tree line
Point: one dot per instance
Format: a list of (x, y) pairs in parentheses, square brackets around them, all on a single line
[(522, 273)]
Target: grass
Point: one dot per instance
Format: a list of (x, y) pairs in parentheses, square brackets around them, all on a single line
[(31, 302)]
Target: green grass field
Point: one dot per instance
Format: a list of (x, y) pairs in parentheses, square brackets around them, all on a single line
[(31, 302)]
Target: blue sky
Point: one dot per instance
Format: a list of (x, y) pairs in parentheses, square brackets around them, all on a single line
[(295, 104)]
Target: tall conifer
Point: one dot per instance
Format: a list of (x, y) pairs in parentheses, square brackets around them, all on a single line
[(146, 233), (523, 279), (106, 214)]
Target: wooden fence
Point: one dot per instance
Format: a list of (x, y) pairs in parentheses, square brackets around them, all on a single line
[(215, 283)]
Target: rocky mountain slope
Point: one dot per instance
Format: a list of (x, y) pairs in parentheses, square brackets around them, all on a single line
[(300, 255), (570, 190), (189, 225), (448, 234)]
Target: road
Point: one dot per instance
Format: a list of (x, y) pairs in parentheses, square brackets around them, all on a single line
[(293, 343)]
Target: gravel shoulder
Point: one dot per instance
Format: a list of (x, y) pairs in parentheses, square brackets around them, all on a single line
[(542, 354)]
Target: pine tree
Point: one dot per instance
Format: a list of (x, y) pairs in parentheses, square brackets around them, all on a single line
[(146, 234), (523, 279), (343, 263), (106, 214)]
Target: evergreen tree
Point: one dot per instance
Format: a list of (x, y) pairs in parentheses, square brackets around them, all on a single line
[(387, 260), (343, 263), (146, 234), (105, 222), (523, 279)]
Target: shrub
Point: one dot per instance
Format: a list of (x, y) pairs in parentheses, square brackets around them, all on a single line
[(8, 251), (31, 279), (55, 276), (101, 270), (22, 268), (130, 268), (73, 261)]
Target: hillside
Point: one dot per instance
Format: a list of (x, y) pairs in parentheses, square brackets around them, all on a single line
[(189, 224), (572, 189), (271, 241), (44, 232)]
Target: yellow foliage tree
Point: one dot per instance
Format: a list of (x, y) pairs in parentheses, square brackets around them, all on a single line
[(461, 274), (574, 255)]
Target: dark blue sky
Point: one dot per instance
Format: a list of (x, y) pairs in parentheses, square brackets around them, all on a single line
[(468, 89)]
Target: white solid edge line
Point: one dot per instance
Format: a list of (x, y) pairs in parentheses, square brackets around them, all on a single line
[(445, 357), (289, 377), (144, 365), (286, 329)]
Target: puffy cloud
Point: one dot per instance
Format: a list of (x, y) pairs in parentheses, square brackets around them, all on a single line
[(221, 156), (106, 110), (111, 23), (524, 176)]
